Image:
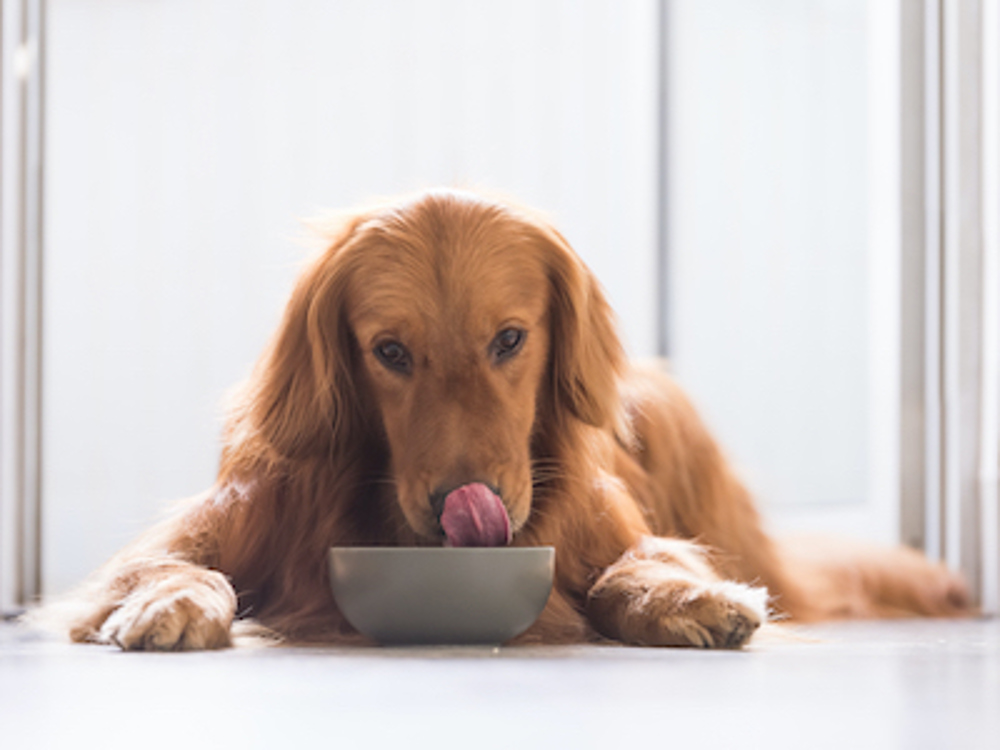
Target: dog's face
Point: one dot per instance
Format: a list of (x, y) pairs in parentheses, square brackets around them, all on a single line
[(450, 313), (457, 330)]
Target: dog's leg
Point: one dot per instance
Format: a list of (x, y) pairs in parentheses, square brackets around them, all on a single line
[(849, 578), (560, 622), (162, 592), (664, 592), (159, 604)]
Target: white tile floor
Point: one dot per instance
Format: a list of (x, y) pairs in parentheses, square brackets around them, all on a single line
[(917, 684)]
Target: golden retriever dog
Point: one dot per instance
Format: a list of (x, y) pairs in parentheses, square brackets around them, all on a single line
[(447, 372)]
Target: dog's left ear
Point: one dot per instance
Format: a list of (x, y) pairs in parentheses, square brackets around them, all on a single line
[(586, 356)]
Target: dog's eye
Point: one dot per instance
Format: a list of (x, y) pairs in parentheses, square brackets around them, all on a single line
[(395, 356), (507, 343)]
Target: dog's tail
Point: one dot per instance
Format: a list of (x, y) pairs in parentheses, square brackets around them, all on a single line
[(838, 578)]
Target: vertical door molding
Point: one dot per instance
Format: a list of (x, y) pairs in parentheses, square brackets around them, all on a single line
[(951, 280), (21, 76), (917, 165), (989, 441)]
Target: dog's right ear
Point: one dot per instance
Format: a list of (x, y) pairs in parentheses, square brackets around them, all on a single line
[(587, 357), (301, 399)]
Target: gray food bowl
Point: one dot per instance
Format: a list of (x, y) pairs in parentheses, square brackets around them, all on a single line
[(441, 595)]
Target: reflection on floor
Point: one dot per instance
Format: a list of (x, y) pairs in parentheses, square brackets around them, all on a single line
[(914, 684)]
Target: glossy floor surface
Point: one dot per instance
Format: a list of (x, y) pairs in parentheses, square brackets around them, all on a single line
[(915, 684)]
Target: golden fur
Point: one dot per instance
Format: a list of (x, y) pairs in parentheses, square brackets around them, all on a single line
[(327, 445)]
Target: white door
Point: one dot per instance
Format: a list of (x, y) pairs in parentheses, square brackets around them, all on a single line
[(783, 265)]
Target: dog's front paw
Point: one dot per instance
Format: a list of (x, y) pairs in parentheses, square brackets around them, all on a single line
[(649, 605), (187, 610), (715, 615)]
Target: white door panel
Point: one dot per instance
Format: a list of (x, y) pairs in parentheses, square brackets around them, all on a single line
[(185, 139), (783, 265)]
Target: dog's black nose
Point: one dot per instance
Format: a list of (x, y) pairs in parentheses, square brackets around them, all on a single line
[(437, 502)]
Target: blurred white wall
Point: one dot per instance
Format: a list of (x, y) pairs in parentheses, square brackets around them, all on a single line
[(779, 306), (185, 138)]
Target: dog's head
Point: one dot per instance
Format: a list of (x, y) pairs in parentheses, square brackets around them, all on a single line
[(451, 326)]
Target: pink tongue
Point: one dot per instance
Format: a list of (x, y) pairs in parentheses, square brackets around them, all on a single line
[(475, 517)]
